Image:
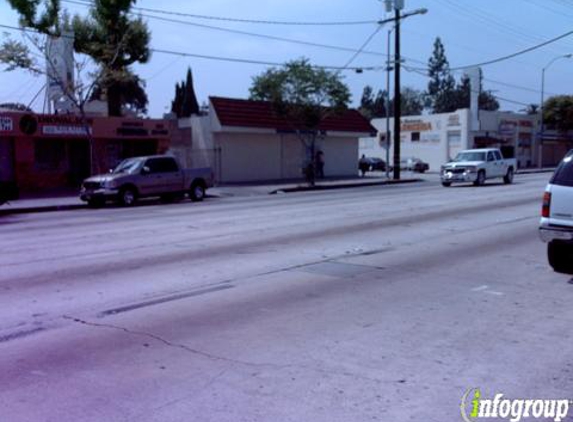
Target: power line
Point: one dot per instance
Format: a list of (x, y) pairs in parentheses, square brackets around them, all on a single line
[(238, 20), (363, 46), (494, 81), (424, 73), (247, 33), (258, 62), (510, 56), (474, 13), (227, 59)]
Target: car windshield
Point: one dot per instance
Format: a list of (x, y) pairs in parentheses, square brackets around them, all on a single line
[(470, 156), (130, 165)]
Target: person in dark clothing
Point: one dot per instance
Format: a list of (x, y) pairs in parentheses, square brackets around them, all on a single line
[(319, 164), (363, 165)]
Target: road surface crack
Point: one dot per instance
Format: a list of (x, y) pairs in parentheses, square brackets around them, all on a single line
[(324, 372)]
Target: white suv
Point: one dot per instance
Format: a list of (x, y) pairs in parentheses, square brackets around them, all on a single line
[(556, 226)]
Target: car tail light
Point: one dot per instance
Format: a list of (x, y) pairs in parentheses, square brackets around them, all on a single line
[(545, 209)]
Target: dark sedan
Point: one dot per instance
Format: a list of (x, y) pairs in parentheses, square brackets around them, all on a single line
[(414, 164), (372, 164)]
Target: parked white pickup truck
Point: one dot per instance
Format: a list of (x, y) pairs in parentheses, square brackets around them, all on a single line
[(477, 166), (137, 177)]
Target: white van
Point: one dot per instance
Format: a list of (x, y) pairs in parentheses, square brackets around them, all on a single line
[(556, 226)]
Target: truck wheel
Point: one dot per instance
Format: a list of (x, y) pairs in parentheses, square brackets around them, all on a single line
[(480, 178), (197, 191), (560, 256), (508, 178), (446, 184), (127, 196)]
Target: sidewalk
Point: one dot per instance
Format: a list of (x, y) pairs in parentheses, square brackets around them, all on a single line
[(69, 200)]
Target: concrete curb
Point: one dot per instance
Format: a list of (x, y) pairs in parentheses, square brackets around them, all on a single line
[(343, 186), (6, 210), (551, 170)]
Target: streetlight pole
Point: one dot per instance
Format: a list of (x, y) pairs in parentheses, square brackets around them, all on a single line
[(541, 125)]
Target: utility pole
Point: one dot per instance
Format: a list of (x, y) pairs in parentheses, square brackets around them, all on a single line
[(397, 99), (388, 69), (397, 6)]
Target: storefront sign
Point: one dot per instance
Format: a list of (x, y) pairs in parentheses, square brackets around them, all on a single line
[(454, 120), (430, 137), (415, 126), (61, 120), (6, 124), (66, 130), (507, 128)]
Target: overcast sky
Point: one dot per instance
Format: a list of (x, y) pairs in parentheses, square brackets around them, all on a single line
[(472, 31)]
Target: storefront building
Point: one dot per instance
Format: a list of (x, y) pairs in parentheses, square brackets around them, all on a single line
[(437, 138), (39, 152)]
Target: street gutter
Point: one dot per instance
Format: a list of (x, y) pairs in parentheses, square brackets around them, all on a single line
[(305, 188)]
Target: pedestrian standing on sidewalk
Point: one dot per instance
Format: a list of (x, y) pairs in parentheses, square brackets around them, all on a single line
[(319, 164), (363, 165)]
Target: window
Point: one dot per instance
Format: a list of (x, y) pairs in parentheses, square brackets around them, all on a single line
[(563, 175), (455, 137), (490, 156), (415, 137), (162, 165), (497, 155), (49, 154)]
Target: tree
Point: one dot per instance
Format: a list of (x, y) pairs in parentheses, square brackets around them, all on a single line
[(115, 41), (532, 109), (441, 87), (558, 112), (304, 96), (444, 95), (411, 102), (372, 106), (45, 21), (177, 102), (184, 104), (190, 105), (462, 96), (109, 36)]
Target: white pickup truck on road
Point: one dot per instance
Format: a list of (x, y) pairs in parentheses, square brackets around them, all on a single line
[(477, 166)]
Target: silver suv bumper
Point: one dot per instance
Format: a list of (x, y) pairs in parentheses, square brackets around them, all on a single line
[(549, 233)]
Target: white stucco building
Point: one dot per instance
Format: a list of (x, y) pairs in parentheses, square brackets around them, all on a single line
[(245, 141), (438, 137)]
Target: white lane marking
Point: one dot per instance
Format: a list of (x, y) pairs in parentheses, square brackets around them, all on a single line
[(485, 288)]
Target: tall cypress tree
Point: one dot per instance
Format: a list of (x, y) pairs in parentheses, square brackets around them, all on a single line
[(190, 105), (177, 100), (440, 96)]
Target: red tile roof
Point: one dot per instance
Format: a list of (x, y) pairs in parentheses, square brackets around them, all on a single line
[(260, 114)]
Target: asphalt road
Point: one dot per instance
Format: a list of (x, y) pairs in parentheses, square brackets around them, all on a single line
[(382, 303)]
